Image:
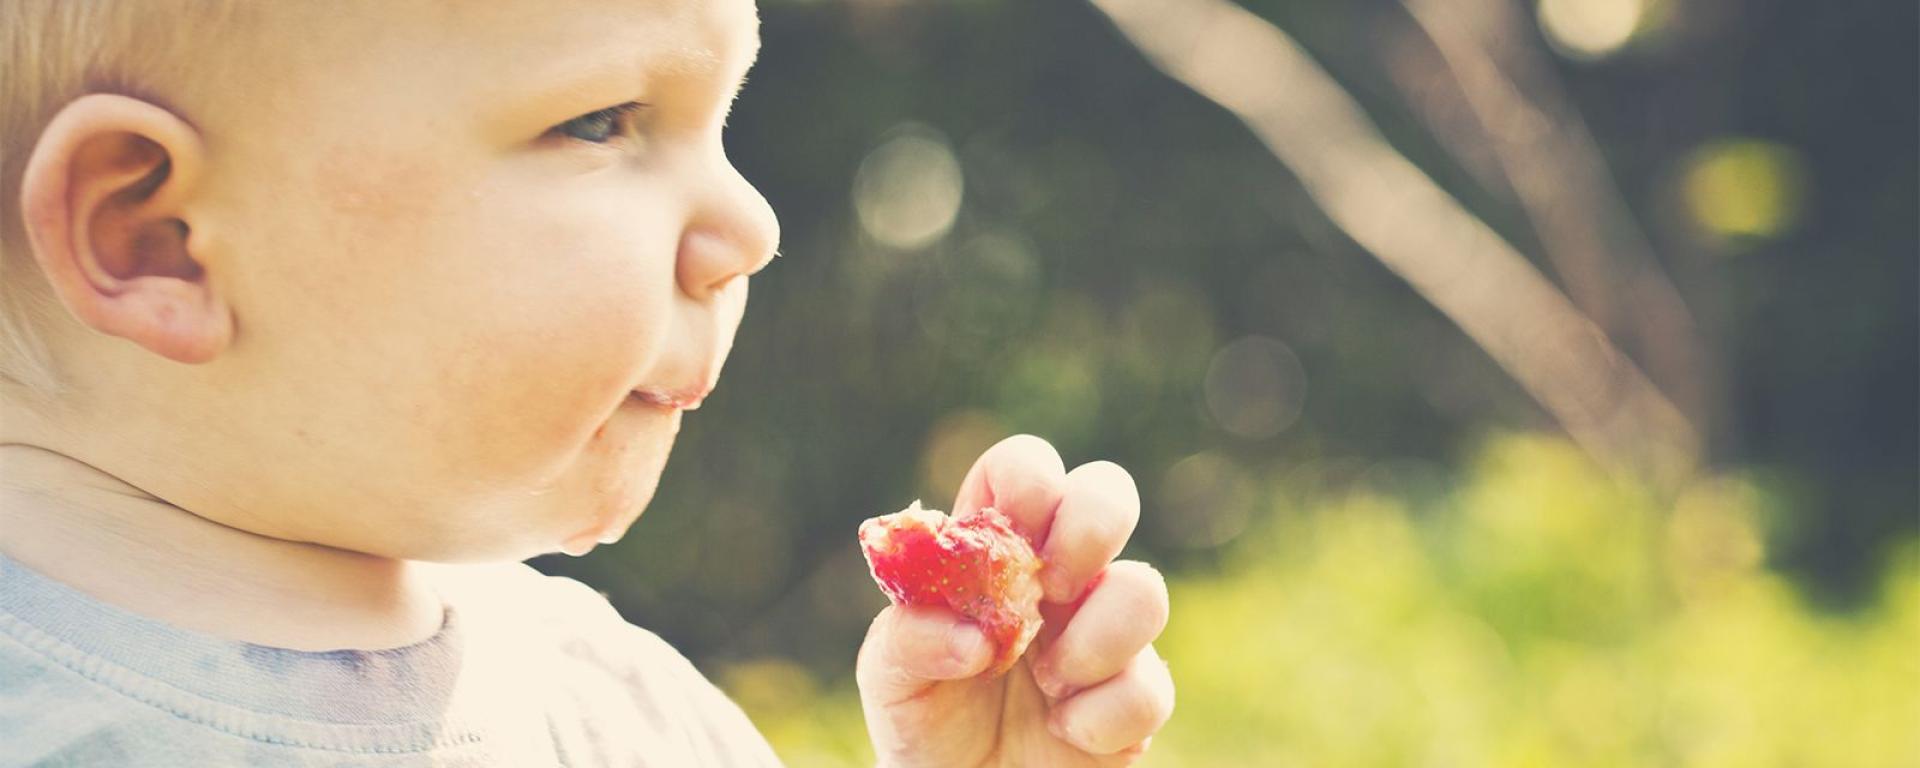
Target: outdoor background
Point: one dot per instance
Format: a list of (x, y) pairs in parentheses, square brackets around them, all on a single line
[(1670, 519)]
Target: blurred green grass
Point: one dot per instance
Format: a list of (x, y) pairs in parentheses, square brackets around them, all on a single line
[(1534, 612)]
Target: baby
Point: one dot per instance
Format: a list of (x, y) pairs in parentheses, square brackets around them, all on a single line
[(318, 318)]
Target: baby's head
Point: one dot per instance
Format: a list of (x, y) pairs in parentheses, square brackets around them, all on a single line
[(377, 275)]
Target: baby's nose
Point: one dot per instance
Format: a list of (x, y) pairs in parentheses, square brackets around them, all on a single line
[(734, 233)]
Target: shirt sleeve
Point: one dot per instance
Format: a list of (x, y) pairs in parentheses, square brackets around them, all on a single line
[(666, 681)]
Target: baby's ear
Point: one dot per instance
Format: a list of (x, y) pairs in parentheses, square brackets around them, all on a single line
[(106, 200)]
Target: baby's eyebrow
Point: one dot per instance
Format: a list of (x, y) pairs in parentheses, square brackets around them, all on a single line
[(753, 51), (752, 47), (753, 57), (582, 77), (700, 60)]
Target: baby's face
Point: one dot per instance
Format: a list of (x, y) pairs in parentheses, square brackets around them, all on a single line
[(455, 253)]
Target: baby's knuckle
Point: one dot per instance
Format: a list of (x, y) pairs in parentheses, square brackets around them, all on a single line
[(1142, 711), (1120, 478), (1101, 536), (1162, 679), (1103, 471), (1029, 446), (1145, 589), (1109, 483), (1074, 662), (1018, 468)]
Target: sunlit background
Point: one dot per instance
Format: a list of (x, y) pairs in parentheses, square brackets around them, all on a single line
[(1507, 382)]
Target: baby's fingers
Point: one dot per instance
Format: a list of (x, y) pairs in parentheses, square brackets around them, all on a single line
[(1119, 713), (1022, 477), (911, 647), (1124, 612), (1096, 517)]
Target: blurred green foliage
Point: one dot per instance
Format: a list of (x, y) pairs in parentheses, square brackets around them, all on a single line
[(1536, 614)]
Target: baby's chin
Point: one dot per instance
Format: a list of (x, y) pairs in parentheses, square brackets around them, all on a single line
[(615, 512), (624, 461), (592, 496)]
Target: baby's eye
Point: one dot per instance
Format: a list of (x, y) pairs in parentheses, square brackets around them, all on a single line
[(601, 126)]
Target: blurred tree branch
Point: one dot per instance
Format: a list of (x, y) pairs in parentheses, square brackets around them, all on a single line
[(1555, 169), (1396, 212)]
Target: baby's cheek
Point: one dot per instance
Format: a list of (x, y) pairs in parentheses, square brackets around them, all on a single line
[(560, 306), (382, 190), (541, 380)]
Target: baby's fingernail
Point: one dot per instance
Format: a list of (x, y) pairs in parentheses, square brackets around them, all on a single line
[(966, 645), (1044, 677)]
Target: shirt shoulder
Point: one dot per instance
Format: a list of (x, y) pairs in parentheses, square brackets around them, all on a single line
[(605, 663), (52, 714)]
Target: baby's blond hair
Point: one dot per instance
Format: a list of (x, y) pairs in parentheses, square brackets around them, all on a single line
[(51, 52)]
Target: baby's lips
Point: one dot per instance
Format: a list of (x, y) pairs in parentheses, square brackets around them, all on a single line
[(686, 399)]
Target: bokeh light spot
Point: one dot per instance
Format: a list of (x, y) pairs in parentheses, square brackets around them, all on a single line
[(1713, 540), (953, 444), (1738, 188), (1205, 501), (1590, 29), (1255, 387), (908, 190)]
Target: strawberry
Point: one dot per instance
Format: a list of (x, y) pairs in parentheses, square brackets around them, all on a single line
[(976, 564)]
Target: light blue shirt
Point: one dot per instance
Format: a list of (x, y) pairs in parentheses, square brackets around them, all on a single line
[(526, 670)]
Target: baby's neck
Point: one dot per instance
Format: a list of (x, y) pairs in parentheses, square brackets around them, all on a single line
[(80, 525)]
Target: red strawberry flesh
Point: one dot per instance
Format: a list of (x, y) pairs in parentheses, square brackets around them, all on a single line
[(975, 564)]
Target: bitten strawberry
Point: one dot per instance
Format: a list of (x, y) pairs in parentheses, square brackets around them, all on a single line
[(976, 564)]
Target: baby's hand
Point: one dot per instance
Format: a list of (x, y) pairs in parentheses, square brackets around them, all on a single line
[(1090, 690)]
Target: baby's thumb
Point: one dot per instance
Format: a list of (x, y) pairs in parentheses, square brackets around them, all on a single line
[(911, 647)]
